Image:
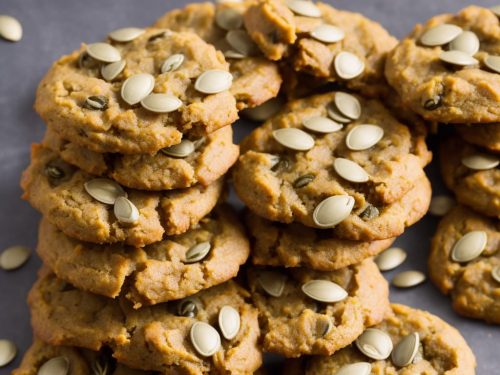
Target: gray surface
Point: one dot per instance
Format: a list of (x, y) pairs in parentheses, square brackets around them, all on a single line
[(55, 27)]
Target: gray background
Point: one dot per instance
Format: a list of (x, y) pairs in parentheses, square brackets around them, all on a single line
[(56, 27)]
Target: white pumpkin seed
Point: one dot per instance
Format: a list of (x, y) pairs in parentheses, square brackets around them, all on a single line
[(14, 257), (323, 327), (324, 291), (55, 366), (362, 137), (110, 71), (496, 10), (328, 33), (441, 204), (172, 63), (303, 180), (333, 210), (350, 171), (232, 54), (304, 8), (137, 87), (104, 190), (457, 58), (358, 368), (125, 211), (390, 259), (375, 344), (440, 35), (103, 52), (495, 273), (336, 115), (265, 110), (481, 162), (181, 150), (197, 252), (161, 103), (98, 102), (348, 65), (240, 41), (229, 322), (405, 351), (469, 246), (294, 139), (272, 282), (125, 34), (205, 339), (8, 352), (408, 279), (348, 105), (493, 62), (213, 81), (10, 28), (228, 19), (320, 124), (467, 42)]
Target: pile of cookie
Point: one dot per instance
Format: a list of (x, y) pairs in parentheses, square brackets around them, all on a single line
[(141, 255)]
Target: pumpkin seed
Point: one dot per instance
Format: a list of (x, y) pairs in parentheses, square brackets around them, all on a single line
[(303, 181), (405, 351), (55, 366), (350, 170), (375, 344), (440, 35), (408, 279), (457, 58), (188, 307), (493, 62), (232, 54), (469, 246), (440, 205), (228, 19), (320, 124), (420, 354), (100, 366), (213, 81), (125, 211), (370, 212), (265, 110), (172, 63), (103, 52), (390, 259), (362, 137), (205, 339), (164, 34), (197, 143), (304, 8), (280, 163), (8, 352), (495, 273), (323, 327), (433, 103), (467, 42), (229, 322), (348, 105), (481, 162), (104, 190), (241, 42), (328, 33), (333, 210), (358, 368), (10, 28), (14, 257), (272, 282), (348, 65), (137, 87), (126, 34), (181, 150), (294, 139), (54, 172), (197, 252), (161, 103), (99, 102), (110, 71), (335, 114), (324, 291)]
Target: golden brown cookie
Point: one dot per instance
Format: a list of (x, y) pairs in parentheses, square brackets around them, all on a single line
[(295, 323), (443, 70), (484, 135), (465, 263), (256, 79), (105, 115), (58, 190), (157, 338)]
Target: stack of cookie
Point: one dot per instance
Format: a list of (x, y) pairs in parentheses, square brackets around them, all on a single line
[(448, 71)]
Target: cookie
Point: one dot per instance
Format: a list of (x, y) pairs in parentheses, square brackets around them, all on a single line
[(486, 135), (464, 263), (441, 349), (472, 174), (256, 79), (445, 69), (157, 338), (61, 193), (205, 160), (300, 157), (294, 324), (295, 245), (105, 115), (321, 41)]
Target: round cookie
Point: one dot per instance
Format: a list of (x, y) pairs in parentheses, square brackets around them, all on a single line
[(295, 245), (152, 338), (210, 159), (125, 128), (442, 91), (442, 349), (269, 176), (352, 52), (256, 79), (471, 284), (476, 188), (294, 324), (57, 190), (484, 135)]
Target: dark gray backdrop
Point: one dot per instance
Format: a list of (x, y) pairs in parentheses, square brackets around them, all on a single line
[(56, 27)]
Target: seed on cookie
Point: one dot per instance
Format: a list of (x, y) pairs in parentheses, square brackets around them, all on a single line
[(104, 190), (336, 115), (229, 322), (358, 368), (370, 212), (10, 28), (440, 35), (137, 87), (493, 62), (390, 259), (440, 205), (348, 105), (188, 307), (8, 352), (205, 339), (103, 52), (469, 246), (110, 71), (55, 366), (228, 19), (304, 8), (98, 102), (328, 33), (481, 162), (324, 291), (348, 65), (125, 211), (433, 103), (240, 41), (294, 139), (213, 81), (333, 210), (197, 252), (467, 42), (14, 257), (320, 124), (362, 137), (495, 273), (457, 58), (303, 181), (172, 63), (323, 327), (161, 103), (181, 150), (408, 279), (232, 54), (126, 34), (405, 351), (350, 170), (272, 282), (375, 344)]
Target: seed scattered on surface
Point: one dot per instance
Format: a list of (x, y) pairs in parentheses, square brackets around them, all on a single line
[(188, 307), (336, 115), (126, 34), (8, 352), (125, 211), (348, 65), (272, 282), (181, 150), (328, 33), (333, 210), (440, 205), (103, 52), (294, 139), (469, 246), (408, 279), (304, 8), (10, 28), (362, 137), (229, 19), (493, 62), (14, 257), (161, 103), (303, 181), (323, 327), (55, 366), (457, 58), (405, 351), (439, 35), (320, 124), (375, 344), (467, 42), (324, 291), (348, 105), (358, 368), (370, 212), (433, 103), (110, 71), (172, 63), (265, 110), (137, 87), (213, 81), (104, 190), (495, 273), (241, 42), (98, 102), (205, 339), (481, 162), (390, 259), (197, 252), (229, 322), (350, 171)]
